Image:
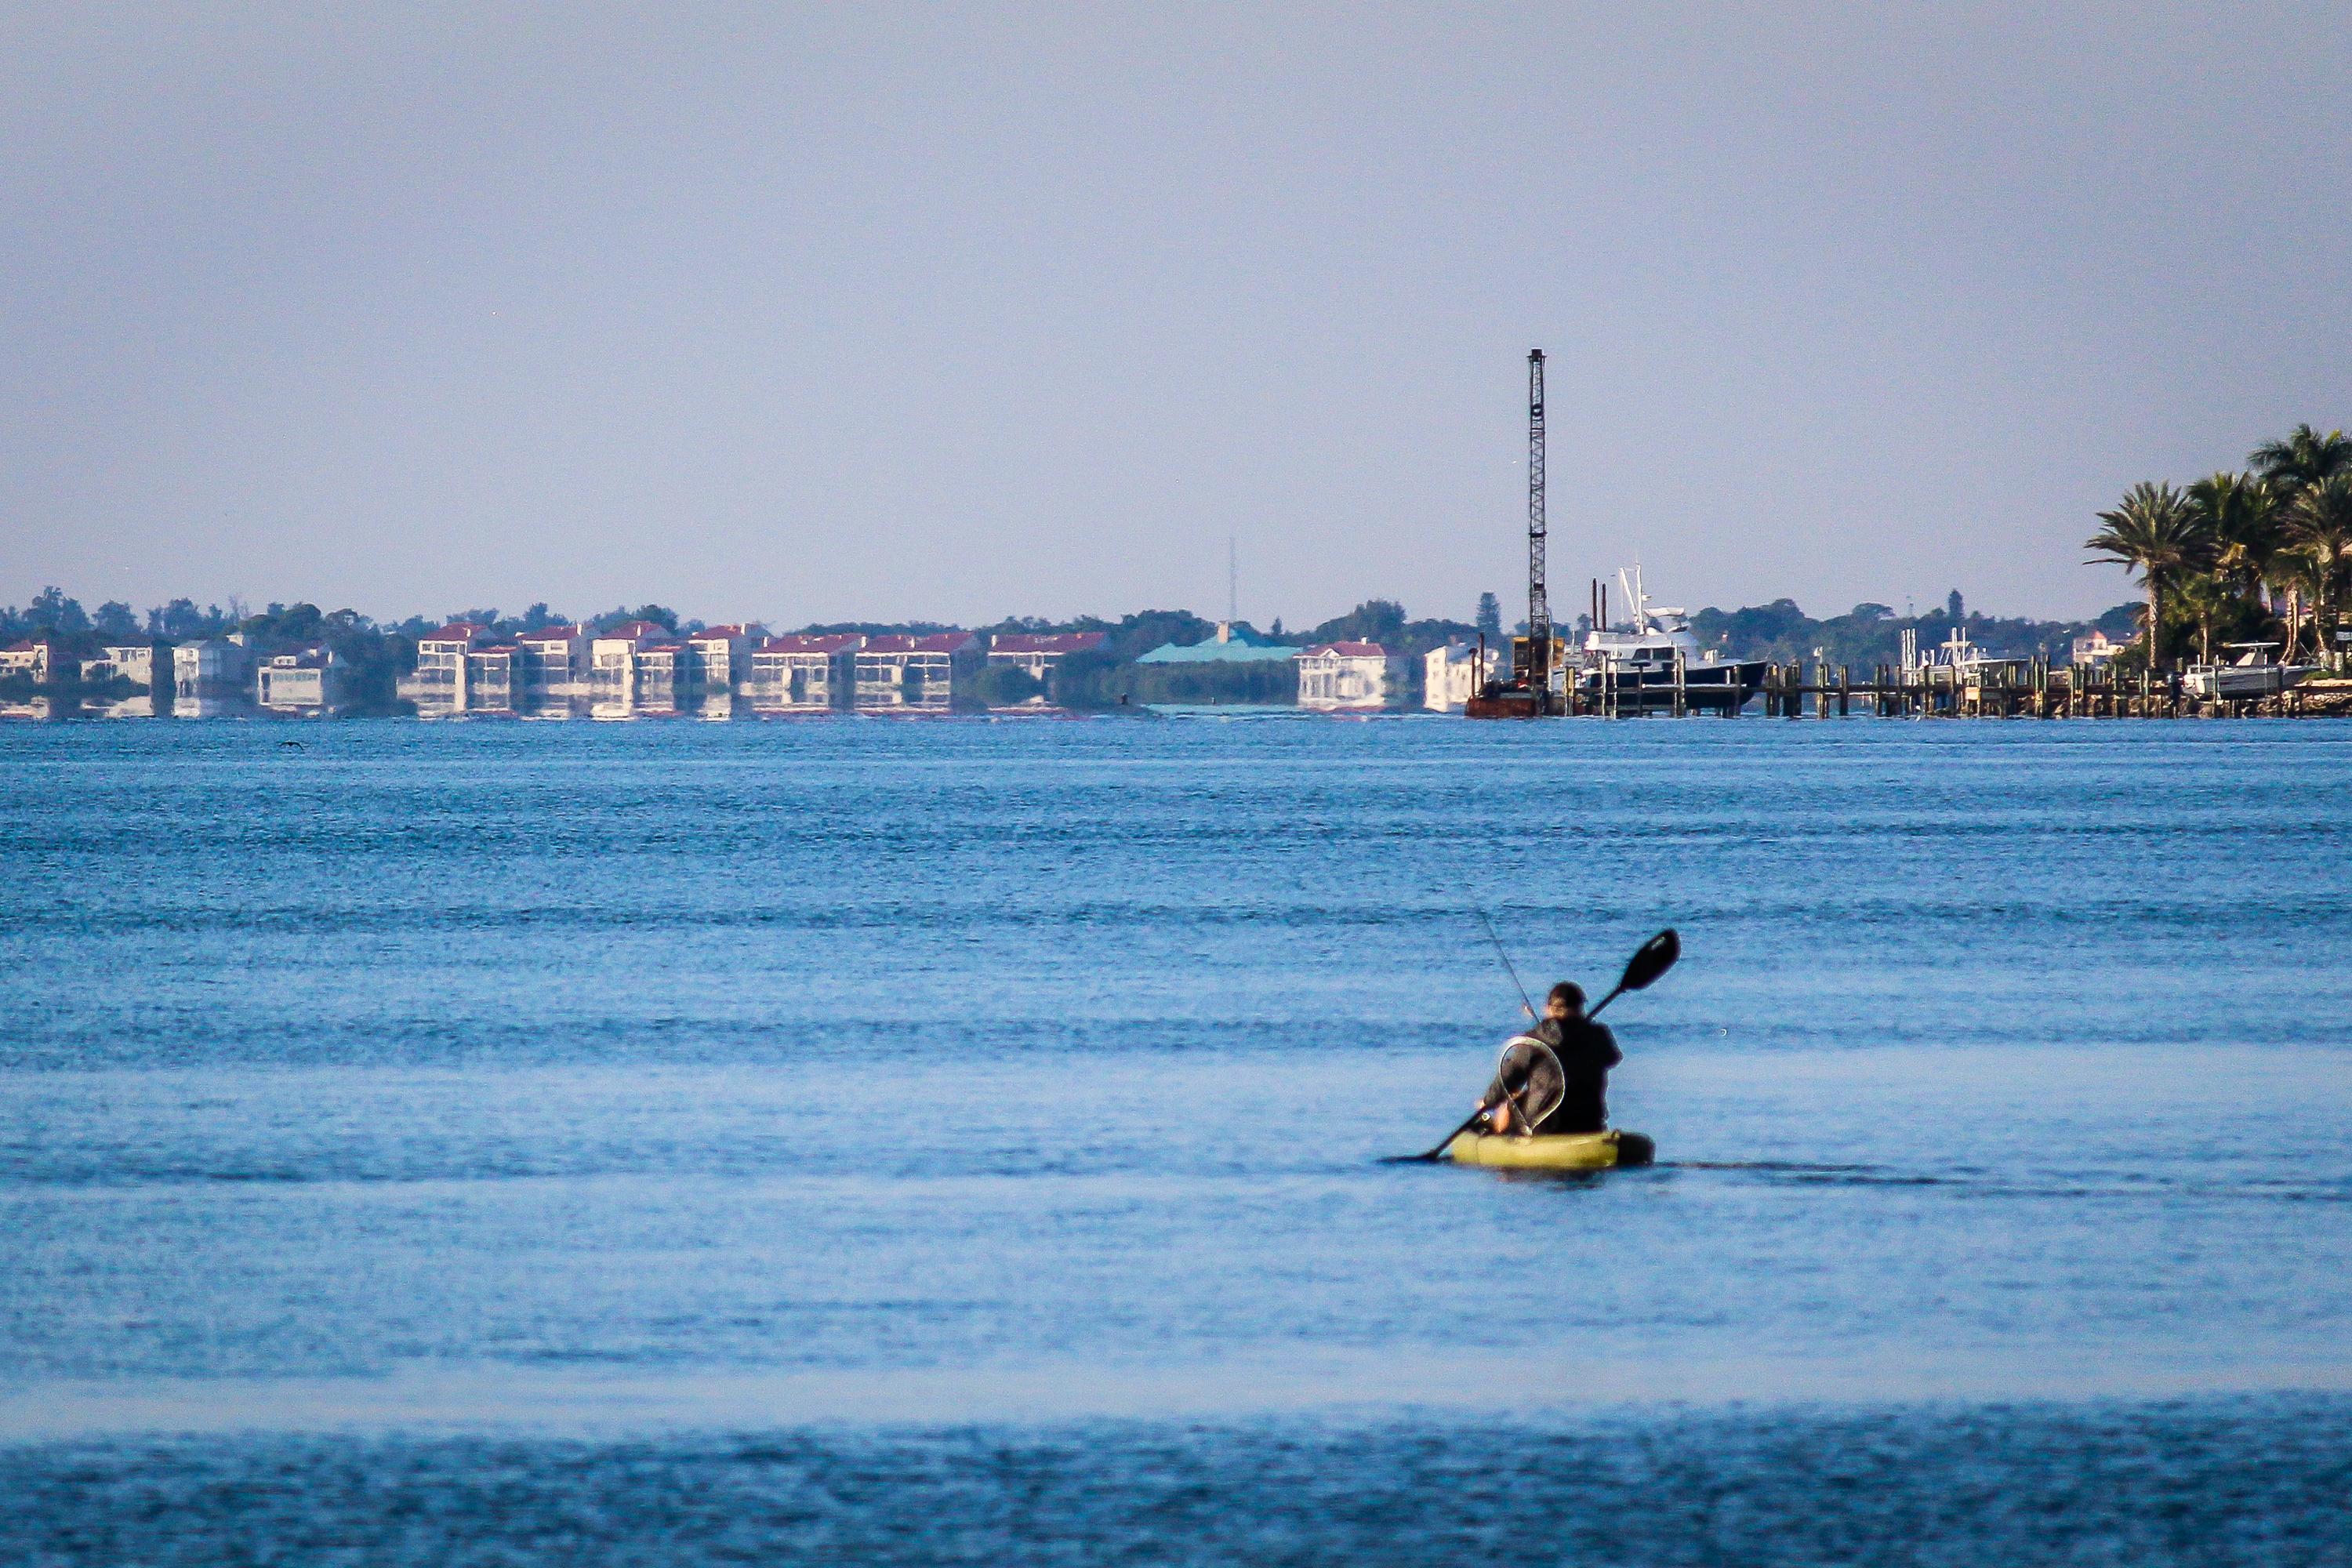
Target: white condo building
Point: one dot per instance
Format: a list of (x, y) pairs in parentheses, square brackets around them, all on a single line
[(901, 674), (802, 673), (1038, 654), (439, 687), (467, 670), (615, 675)]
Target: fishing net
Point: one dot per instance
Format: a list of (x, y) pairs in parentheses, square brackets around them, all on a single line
[(1529, 1076)]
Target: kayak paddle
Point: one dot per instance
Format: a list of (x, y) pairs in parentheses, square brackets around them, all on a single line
[(1650, 960)]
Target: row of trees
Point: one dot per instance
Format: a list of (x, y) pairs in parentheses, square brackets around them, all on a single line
[(2258, 554)]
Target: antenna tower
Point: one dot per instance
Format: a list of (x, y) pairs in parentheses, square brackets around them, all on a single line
[(1538, 601)]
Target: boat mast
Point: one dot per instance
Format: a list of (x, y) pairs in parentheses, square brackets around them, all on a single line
[(1538, 601)]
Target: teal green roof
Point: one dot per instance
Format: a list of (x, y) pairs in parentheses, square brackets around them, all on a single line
[(1240, 647)]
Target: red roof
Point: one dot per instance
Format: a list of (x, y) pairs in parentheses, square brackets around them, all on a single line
[(733, 634), (1046, 642), (662, 647), (638, 630), (551, 634), (802, 642), (457, 631), (939, 642), (1345, 650)]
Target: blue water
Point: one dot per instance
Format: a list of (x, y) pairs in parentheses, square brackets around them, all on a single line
[(957, 1142)]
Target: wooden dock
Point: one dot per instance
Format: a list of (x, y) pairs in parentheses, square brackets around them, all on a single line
[(2019, 688)]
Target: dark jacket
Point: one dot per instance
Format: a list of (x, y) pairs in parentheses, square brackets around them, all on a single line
[(1587, 1051)]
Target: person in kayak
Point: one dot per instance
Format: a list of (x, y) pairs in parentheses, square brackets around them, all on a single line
[(1571, 1096)]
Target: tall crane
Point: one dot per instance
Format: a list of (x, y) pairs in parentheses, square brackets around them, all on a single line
[(1538, 601)]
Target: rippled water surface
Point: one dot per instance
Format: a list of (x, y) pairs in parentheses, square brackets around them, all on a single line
[(959, 1141)]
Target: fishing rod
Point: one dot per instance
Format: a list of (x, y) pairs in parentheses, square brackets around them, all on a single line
[(1500, 952)]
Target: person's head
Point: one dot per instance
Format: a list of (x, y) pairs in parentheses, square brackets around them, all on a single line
[(1565, 1001)]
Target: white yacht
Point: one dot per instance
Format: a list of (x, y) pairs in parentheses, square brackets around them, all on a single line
[(1637, 665), (1956, 660), (2250, 674)]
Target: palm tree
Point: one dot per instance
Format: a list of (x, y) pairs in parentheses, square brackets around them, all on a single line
[(2304, 458), (2319, 531), (2242, 512), (2155, 532)]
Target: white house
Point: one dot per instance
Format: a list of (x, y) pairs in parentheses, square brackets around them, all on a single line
[(2095, 651), (802, 673), (1456, 673), (134, 662), (210, 680), (32, 661), (28, 658), (1348, 677), (303, 683)]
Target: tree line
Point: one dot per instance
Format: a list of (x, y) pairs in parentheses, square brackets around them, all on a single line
[(2258, 555)]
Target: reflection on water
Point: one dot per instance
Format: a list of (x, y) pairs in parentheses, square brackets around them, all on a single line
[(590, 1086)]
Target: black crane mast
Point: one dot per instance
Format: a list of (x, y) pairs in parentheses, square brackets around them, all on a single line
[(1538, 600)]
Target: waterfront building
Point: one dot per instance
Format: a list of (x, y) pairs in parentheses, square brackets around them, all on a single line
[(1038, 654), (304, 682), (2095, 651), (660, 674), (551, 672), (439, 683), (802, 673), (902, 674), (491, 678), (34, 659), (612, 672), (211, 680), (1231, 645), (438, 686), (718, 658), (1349, 677), (134, 662), (1233, 666), (1452, 675)]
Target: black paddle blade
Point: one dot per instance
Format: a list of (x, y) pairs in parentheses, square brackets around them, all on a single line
[(1431, 1156), (1655, 957)]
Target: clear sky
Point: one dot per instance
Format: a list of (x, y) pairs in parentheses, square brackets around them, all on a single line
[(958, 311)]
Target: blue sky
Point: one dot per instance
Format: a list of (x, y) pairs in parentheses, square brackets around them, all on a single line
[(959, 312)]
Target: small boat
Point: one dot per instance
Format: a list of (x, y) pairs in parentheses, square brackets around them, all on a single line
[(2250, 675), (1561, 1151)]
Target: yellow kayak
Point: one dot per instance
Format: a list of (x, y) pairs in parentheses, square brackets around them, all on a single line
[(1571, 1151)]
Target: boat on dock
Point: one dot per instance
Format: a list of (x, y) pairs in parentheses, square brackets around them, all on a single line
[(2250, 675), (1654, 662)]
